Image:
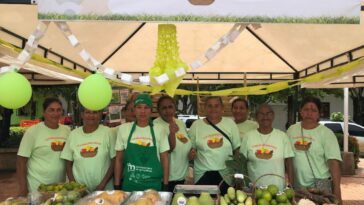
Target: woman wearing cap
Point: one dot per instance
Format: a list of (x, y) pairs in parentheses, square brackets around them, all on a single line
[(38, 159), (268, 150), (240, 111), (179, 141), (89, 153), (214, 139), (317, 152), (141, 151)]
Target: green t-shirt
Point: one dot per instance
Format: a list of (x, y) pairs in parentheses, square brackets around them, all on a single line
[(213, 149), (323, 146), (42, 146), (266, 155), (142, 136), (91, 154), (178, 158), (246, 126)]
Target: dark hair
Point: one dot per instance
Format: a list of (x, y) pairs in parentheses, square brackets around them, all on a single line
[(240, 100), (214, 97), (49, 101), (127, 105), (311, 99), (164, 97)]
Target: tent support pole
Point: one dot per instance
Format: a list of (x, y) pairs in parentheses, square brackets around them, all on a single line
[(346, 119)]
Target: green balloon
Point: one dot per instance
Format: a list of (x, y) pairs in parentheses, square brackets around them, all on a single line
[(95, 92), (15, 90)]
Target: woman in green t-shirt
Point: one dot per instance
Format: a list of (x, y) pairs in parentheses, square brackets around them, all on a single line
[(211, 147), (179, 142), (317, 152), (141, 151), (39, 152), (240, 111), (89, 153)]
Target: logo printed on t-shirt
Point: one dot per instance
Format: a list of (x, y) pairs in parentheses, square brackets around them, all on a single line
[(142, 141), (215, 141), (303, 143), (88, 151), (181, 137), (57, 143), (265, 151)]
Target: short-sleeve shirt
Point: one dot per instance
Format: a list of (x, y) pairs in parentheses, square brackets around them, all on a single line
[(266, 154), (246, 126), (142, 136), (91, 154), (213, 149), (321, 144), (42, 146), (178, 158)]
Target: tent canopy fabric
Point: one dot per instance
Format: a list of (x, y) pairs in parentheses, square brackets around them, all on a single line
[(269, 52)]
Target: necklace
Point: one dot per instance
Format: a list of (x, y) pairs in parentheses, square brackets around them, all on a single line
[(264, 142)]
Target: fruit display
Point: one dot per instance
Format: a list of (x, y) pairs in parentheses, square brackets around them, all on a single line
[(64, 198), (104, 198), (237, 197), (71, 186), (204, 199), (272, 196), (317, 196), (148, 197), (15, 201), (48, 191)]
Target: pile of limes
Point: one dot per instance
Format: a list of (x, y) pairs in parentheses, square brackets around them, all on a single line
[(272, 196), (61, 187)]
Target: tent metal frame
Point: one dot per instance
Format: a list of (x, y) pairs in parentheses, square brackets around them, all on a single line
[(316, 68)]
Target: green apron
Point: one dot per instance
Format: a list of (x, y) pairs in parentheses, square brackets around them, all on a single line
[(141, 167)]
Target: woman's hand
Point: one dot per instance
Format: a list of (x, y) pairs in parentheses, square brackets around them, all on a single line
[(192, 154)]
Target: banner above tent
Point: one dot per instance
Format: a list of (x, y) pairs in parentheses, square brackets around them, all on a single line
[(257, 11)]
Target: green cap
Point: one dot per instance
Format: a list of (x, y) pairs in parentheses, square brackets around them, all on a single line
[(143, 98)]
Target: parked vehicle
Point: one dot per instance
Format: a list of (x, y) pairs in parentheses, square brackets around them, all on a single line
[(355, 130)]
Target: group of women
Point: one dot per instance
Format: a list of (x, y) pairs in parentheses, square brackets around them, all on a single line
[(146, 154)]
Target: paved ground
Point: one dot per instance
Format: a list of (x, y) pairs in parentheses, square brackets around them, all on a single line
[(352, 187)]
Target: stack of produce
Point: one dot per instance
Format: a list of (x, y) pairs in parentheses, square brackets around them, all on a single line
[(71, 186), (150, 197), (51, 190), (272, 196), (15, 201), (105, 198), (317, 196), (236, 197), (204, 199), (64, 198)]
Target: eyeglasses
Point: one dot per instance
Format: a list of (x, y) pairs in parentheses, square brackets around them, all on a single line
[(268, 114)]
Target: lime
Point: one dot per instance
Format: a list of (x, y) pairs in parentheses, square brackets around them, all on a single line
[(273, 202), (263, 202), (281, 198), (273, 189), (58, 198), (289, 193), (50, 188), (258, 193), (267, 195), (69, 187)]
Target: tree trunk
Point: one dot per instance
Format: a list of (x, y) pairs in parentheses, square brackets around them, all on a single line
[(358, 104), (5, 125)]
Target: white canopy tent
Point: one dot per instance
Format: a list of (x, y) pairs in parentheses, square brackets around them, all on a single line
[(264, 52)]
